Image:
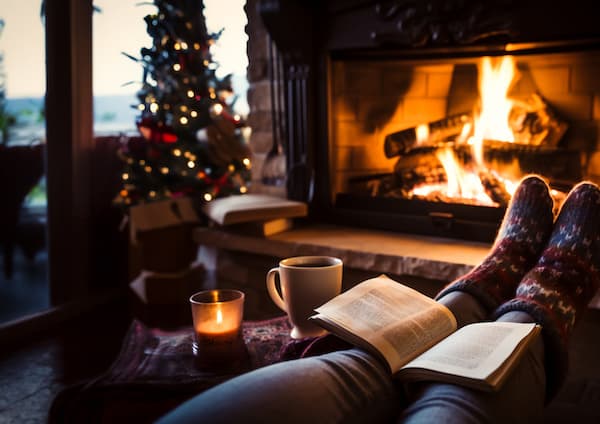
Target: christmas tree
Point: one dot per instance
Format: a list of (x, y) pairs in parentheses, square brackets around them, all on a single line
[(190, 143)]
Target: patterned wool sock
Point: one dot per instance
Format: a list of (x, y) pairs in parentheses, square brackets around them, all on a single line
[(524, 231), (558, 288)]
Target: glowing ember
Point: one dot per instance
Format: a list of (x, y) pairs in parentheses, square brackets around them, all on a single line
[(422, 132)]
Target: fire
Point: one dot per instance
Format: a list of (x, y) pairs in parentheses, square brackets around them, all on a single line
[(462, 183), (491, 122)]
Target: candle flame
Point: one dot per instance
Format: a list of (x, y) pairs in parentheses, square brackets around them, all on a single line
[(219, 316)]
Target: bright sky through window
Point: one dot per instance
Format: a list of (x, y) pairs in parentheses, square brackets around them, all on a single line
[(22, 45), (119, 27)]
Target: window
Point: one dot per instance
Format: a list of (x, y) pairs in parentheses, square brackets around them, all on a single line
[(119, 30)]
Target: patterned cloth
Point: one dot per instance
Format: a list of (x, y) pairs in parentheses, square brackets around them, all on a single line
[(524, 231), (156, 371), (558, 288)]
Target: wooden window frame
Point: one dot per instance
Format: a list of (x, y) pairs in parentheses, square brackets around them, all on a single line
[(69, 135)]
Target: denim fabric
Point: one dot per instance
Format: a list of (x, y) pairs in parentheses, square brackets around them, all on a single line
[(521, 399), (339, 387)]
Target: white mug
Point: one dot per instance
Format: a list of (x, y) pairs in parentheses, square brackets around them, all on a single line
[(306, 283)]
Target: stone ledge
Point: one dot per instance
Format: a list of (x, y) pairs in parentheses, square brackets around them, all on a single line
[(370, 250)]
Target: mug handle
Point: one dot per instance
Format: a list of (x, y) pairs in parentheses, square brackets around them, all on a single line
[(273, 291)]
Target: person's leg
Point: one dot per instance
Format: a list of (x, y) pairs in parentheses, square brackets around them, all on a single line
[(520, 400), (526, 226), (524, 231), (346, 386), (554, 293), (558, 289)]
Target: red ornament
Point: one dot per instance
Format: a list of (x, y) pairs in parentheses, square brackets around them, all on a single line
[(151, 132), (218, 183), (237, 122)]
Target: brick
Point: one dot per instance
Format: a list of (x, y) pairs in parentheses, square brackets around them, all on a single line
[(351, 134), (572, 107), (596, 107), (363, 82), (261, 141), (260, 121), (581, 135), (464, 81), (424, 109), (345, 108), (438, 84), (376, 111), (371, 157), (257, 70), (593, 168), (259, 96), (258, 159), (405, 83), (341, 158), (551, 80), (338, 77), (584, 77), (362, 158)]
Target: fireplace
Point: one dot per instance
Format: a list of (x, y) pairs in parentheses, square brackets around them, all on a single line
[(379, 95)]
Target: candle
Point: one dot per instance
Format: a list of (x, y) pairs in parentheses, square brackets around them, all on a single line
[(217, 317)]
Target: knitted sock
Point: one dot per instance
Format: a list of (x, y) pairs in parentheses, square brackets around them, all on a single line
[(558, 288), (524, 231)]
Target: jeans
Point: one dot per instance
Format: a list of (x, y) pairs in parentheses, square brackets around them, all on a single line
[(352, 386)]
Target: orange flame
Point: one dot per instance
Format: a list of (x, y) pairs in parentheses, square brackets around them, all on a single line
[(491, 123), (495, 80)]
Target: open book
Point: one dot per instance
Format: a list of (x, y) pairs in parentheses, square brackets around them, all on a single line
[(417, 336)]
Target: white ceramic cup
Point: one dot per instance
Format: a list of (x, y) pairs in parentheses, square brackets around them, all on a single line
[(306, 283)]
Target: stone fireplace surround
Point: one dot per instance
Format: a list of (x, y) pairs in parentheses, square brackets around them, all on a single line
[(314, 38)]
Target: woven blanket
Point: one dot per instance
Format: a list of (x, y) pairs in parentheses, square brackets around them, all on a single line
[(155, 371)]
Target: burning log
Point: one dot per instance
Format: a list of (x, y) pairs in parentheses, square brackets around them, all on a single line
[(422, 168), (494, 188), (430, 135), (374, 184), (532, 122), (427, 152)]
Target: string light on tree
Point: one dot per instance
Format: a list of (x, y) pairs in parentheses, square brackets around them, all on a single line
[(191, 142)]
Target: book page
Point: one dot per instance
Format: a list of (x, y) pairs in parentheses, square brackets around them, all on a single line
[(475, 351), (398, 321)]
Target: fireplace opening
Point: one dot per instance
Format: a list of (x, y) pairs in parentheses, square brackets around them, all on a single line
[(386, 113), (442, 143)]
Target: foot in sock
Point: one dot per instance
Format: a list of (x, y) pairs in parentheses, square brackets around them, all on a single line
[(526, 226), (558, 288)]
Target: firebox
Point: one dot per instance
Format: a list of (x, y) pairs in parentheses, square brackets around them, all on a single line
[(422, 117)]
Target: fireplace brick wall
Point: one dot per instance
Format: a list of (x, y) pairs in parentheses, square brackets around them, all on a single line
[(259, 98)]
